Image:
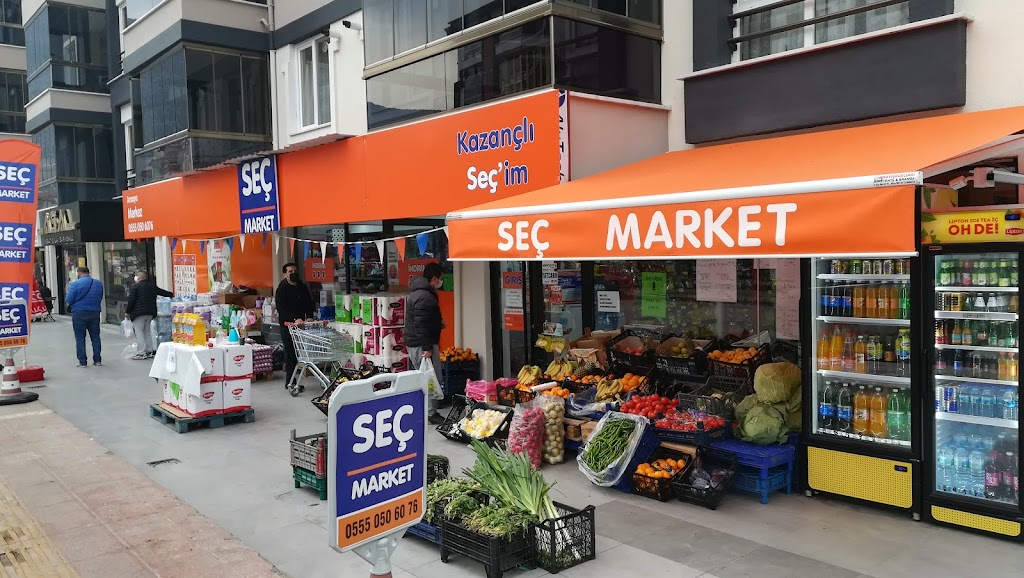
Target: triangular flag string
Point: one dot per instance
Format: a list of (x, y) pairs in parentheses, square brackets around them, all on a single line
[(380, 251), (174, 244), (323, 251), (184, 245), (241, 242), (230, 243), (277, 244), (400, 246), (202, 247)]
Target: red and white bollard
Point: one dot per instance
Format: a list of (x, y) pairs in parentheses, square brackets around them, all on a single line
[(10, 390)]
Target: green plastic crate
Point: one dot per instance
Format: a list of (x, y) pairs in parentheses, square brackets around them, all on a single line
[(308, 478)]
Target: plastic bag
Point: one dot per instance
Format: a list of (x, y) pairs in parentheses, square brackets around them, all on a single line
[(554, 428), (434, 390), (129, 351), (526, 435), (584, 404), (127, 328), (613, 472)]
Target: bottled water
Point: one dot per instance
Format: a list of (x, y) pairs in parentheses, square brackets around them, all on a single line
[(945, 474), (1010, 403), (988, 401), (965, 404), (977, 487), (962, 484)]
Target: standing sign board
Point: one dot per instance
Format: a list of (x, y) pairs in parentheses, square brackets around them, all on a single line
[(376, 476), (19, 167), (258, 198)]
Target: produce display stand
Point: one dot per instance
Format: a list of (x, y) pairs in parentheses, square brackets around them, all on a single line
[(659, 488), (763, 469), (462, 406), (709, 497)]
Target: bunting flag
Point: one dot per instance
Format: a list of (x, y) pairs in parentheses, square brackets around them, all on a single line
[(277, 244), (305, 249), (202, 247), (323, 251), (174, 244), (421, 242), (358, 253), (445, 229), (184, 245), (241, 242), (400, 245), (230, 243), (295, 252), (380, 251)]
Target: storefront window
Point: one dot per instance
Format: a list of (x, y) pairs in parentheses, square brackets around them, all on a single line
[(121, 261), (71, 257)]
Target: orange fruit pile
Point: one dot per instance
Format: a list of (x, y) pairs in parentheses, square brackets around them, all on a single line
[(631, 382), (458, 354), (557, 392), (738, 355), (661, 469)]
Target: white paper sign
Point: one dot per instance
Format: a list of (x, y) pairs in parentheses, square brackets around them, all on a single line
[(513, 298), (549, 273), (608, 302), (171, 365), (787, 299), (764, 263), (716, 280)]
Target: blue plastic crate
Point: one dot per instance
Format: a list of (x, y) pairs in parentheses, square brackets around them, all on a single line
[(748, 454), (751, 480), (426, 531)]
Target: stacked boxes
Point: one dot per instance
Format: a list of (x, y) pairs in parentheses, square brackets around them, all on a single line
[(262, 358), (205, 381), (376, 324)]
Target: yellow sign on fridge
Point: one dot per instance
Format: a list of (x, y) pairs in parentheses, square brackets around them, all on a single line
[(972, 227)]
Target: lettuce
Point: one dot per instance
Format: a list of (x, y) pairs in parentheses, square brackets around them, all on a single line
[(763, 425)]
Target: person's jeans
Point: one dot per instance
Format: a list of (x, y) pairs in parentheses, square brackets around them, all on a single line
[(415, 358), (87, 321), (290, 359), (143, 334)]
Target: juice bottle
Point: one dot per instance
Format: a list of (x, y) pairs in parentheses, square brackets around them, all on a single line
[(883, 302), (871, 301), (1004, 369), (836, 350), (879, 426), (824, 351), (861, 411), (860, 356), (848, 354), (894, 302), (957, 336), (1012, 370), (858, 300)]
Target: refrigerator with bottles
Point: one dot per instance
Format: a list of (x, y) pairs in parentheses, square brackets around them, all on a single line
[(862, 417), (971, 402)]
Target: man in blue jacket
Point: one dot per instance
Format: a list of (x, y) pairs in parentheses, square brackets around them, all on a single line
[(85, 301)]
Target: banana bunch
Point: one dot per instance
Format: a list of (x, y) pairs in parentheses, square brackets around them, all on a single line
[(530, 375), (560, 369), (608, 389)]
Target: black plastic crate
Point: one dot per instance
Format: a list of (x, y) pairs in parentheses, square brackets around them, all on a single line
[(566, 541), (719, 397), (700, 436), (710, 497), (498, 555), (786, 351), (744, 370), (455, 375), (694, 366), (621, 358), (438, 468), (671, 386), (321, 401), (659, 488), (438, 511), (463, 406), (507, 396)]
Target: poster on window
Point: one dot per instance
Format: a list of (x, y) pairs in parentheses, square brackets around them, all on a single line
[(218, 259), (716, 280), (787, 299), (184, 270)]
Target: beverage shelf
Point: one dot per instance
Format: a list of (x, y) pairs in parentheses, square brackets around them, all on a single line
[(975, 419), (977, 380), (985, 315), (840, 277), (858, 437), (865, 321), (978, 348), (978, 289), (868, 377)]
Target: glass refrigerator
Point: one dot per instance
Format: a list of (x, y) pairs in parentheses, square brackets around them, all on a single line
[(862, 422), (971, 432)]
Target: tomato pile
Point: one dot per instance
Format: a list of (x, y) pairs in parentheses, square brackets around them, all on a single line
[(649, 406), (686, 421)]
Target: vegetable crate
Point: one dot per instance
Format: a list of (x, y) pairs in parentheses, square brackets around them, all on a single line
[(455, 374), (428, 532), (437, 468), (700, 436), (310, 453), (744, 370), (565, 541), (462, 406), (775, 479), (641, 340), (649, 442), (507, 396), (498, 555), (672, 386), (709, 497), (302, 476), (658, 488), (694, 366), (764, 461)]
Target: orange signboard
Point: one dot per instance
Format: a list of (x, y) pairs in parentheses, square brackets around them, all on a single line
[(877, 220), (19, 179)]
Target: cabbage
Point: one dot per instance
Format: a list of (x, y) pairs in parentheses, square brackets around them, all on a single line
[(775, 382), (763, 425), (794, 420), (744, 406)]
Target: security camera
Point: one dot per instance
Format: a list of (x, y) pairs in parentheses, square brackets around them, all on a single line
[(351, 25), (959, 183)]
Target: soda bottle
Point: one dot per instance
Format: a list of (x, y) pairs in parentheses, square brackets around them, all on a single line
[(826, 288), (883, 302), (903, 353), (874, 354), (957, 336), (861, 411), (941, 367), (824, 354), (871, 302), (827, 407), (1011, 336), (1009, 475), (834, 307), (897, 417), (848, 353), (958, 363), (847, 301), (981, 332), (979, 276), (844, 409), (836, 350), (977, 370), (859, 304), (993, 476), (879, 415), (860, 355), (966, 271), (903, 300), (945, 274), (993, 273), (940, 333), (1012, 369), (1004, 273), (968, 336)]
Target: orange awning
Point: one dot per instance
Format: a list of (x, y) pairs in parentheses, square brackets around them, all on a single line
[(831, 193)]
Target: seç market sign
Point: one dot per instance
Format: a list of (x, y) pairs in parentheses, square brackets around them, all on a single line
[(259, 207)]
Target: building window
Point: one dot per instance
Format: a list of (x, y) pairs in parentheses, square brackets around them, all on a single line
[(763, 27), (315, 83), (11, 31), (12, 102), (75, 152), (648, 11), (607, 61), (66, 47), (220, 100), (164, 106)]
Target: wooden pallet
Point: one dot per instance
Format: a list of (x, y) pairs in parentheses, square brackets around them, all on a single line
[(266, 376), (177, 419)]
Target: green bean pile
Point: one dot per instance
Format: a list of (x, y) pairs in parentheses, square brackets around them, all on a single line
[(608, 444)]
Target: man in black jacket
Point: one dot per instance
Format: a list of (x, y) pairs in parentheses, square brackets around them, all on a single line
[(141, 310), (423, 324), (294, 305)]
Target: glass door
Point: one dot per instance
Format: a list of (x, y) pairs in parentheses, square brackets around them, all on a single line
[(862, 347), (976, 377)]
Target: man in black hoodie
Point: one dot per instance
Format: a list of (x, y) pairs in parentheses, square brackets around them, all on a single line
[(141, 310), (423, 324), (294, 305)]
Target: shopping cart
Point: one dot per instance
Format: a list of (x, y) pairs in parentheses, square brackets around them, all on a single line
[(319, 349)]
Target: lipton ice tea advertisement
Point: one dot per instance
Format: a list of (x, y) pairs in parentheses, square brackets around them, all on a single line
[(19, 168), (1000, 226)]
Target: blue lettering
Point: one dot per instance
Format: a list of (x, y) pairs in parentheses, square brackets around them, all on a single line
[(514, 137), (462, 146)]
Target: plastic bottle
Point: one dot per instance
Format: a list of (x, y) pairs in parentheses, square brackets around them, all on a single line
[(871, 302), (957, 336), (986, 407), (861, 411), (1012, 368), (903, 353), (1003, 368), (836, 350), (833, 307), (993, 476), (897, 416), (903, 300), (883, 302), (826, 290), (965, 400), (963, 469), (879, 415), (844, 409), (958, 363), (860, 355), (859, 305), (1010, 404), (824, 352), (827, 407), (846, 301), (848, 353), (874, 354), (977, 473), (1009, 476), (945, 469)]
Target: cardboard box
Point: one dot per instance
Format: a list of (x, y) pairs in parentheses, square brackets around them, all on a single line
[(237, 361), (684, 448), (249, 301), (587, 430), (237, 394), (166, 385), (210, 400), (175, 395), (232, 299), (574, 428)]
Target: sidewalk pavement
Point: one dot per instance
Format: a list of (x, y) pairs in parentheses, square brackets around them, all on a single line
[(69, 507)]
